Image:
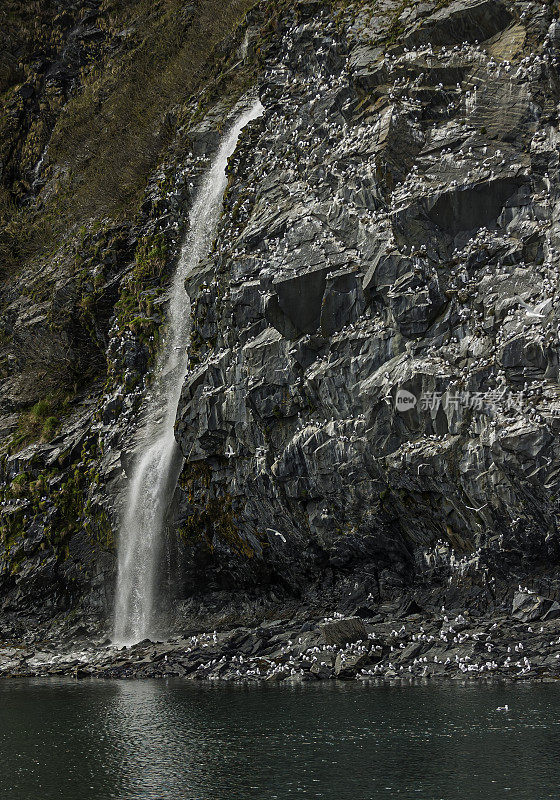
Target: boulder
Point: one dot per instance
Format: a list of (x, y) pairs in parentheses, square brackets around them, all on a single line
[(528, 607), (346, 666), (340, 632), (322, 669)]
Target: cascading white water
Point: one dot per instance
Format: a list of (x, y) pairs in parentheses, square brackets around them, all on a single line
[(157, 470)]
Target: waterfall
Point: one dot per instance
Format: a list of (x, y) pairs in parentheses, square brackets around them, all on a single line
[(244, 48), (159, 464)]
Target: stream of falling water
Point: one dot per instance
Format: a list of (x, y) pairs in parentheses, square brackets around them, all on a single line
[(157, 469)]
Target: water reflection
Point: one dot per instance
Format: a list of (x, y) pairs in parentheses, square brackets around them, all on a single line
[(170, 741), (159, 741)]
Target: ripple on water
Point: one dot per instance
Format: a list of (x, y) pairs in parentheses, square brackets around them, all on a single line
[(154, 740)]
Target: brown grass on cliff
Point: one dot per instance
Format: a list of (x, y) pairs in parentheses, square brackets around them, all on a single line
[(110, 134)]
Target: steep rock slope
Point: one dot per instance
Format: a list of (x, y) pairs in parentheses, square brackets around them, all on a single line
[(373, 399)]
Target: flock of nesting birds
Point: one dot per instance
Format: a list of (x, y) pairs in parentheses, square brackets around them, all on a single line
[(316, 164), (323, 172)]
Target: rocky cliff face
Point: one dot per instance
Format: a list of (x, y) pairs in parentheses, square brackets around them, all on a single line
[(373, 399), (372, 405)]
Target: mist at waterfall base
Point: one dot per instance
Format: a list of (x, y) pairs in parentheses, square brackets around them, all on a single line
[(159, 463)]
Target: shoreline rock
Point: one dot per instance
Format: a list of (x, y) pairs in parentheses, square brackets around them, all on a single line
[(433, 647)]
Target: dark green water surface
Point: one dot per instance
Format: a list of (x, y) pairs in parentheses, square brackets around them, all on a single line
[(175, 741)]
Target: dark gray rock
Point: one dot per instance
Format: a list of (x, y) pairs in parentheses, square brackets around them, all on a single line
[(530, 607), (390, 225), (300, 299), (460, 21), (340, 632), (468, 208)]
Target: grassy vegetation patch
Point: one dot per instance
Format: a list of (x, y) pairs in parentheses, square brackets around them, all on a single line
[(40, 423), (65, 494)]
